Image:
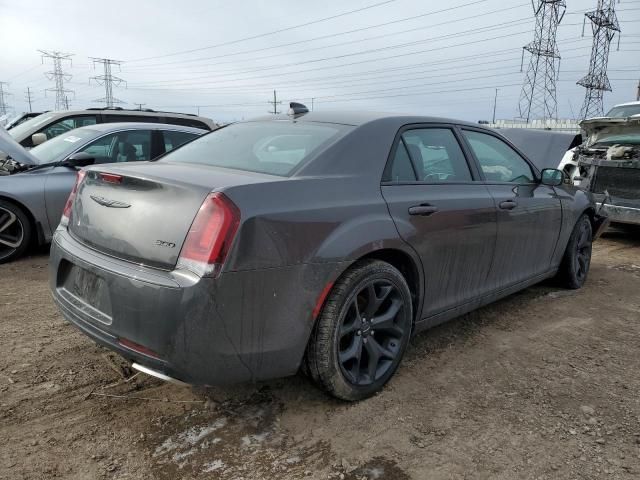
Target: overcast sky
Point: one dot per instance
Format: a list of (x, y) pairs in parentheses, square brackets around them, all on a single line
[(181, 55)]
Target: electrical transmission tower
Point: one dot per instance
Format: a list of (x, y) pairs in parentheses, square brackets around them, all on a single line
[(3, 95), (538, 97), (275, 104), (58, 76), (108, 80), (604, 24), (28, 98)]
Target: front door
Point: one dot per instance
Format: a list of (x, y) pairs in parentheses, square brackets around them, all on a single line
[(529, 213), (446, 216)]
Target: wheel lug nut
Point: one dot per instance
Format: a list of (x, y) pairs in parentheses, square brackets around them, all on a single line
[(359, 332)]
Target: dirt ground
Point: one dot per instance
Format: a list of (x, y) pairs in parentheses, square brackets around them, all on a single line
[(544, 384)]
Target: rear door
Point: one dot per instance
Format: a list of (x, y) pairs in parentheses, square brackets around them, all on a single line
[(446, 216), (529, 213)]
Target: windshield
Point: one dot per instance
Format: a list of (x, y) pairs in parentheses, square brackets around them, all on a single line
[(59, 147), (276, 148), (624, 111), (627, 139), (31, 125)]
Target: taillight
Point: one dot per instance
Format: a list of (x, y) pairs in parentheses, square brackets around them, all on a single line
[(66, 213), (210, 236)]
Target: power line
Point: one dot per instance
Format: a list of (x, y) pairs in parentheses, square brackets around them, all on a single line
[(348, 32), (604, 24), (261, 35), (538, 97), (108, 80), (58, 76)]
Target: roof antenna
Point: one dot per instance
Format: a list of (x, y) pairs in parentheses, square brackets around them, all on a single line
[(296, 109)]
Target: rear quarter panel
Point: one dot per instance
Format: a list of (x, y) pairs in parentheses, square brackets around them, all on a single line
[(27, 190)]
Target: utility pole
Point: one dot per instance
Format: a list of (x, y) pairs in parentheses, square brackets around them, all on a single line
[(139, 105), (495, 103), (3, 94), (108, 80), (57, 75), (66, 102), (604, 24), (27, 97), (538, 96), (638, 94), (313, 99), (275, 104)]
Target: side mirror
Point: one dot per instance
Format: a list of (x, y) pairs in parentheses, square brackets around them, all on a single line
[(552, 177), (38, 138), (78, 160)]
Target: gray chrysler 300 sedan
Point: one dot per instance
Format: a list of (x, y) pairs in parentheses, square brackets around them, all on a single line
[(319, 241)]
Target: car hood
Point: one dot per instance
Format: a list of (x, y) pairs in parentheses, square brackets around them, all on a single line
[(545, 149), (597, 129), (8, 146)]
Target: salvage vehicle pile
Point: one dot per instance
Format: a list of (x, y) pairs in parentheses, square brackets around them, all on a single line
[(609, 165)]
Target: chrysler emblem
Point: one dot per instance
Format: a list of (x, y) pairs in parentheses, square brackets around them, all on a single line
[(105, 202)]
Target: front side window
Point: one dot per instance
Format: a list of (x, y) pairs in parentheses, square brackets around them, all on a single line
[(131, 146), (67, 124), (437, 155), (275, 148), (498, 161)]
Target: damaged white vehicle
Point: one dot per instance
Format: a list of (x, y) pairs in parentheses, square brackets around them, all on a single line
[(608, 165)]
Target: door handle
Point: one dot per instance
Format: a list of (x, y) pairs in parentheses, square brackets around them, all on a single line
[(508, 204), (423, 210)]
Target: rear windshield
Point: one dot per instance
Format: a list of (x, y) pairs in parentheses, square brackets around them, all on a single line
[(276, 148)]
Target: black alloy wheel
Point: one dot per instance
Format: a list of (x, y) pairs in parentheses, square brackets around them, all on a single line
[(370, 334), (362, 331)]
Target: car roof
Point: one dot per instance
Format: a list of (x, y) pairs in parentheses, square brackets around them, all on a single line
[(628, 104), (111, 127), (358, 118)]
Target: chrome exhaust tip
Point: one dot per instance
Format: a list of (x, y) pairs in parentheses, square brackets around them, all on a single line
[(160, 375)]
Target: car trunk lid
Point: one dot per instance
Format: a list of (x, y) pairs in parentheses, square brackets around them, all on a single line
[(142, 213)]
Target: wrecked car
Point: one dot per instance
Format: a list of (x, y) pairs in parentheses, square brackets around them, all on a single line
[(318, 241), (609, 166), (35, 184)]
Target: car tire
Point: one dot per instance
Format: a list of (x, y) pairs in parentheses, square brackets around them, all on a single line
[(15, 231), (349, 355), (574, 268)]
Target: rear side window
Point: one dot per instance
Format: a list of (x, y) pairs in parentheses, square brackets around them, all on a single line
[(174, 139), (436, 155), (400, 169), (115, 118), (187, 122), (498, 161), (276, 148)]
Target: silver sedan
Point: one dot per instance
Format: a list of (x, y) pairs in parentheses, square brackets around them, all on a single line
[(35, 184)]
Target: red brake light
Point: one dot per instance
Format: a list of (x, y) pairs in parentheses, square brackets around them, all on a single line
[(111, 178), (210, 236), (66, 213), (136, 347)]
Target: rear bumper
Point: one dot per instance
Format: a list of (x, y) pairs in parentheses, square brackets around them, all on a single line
[(620, 214), (241, 326)]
